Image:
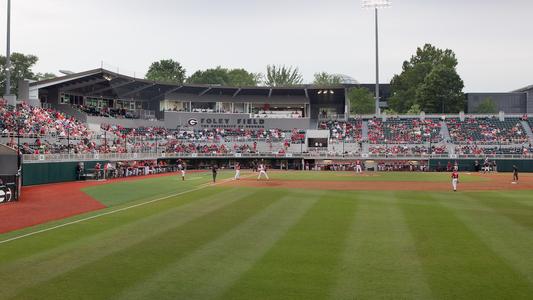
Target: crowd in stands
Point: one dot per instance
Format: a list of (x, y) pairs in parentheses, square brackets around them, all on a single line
[(393, 150), (120, 113), (46, 131), (204, 135), (33, 121), (342, 130), (404, 131), (525, 150), (488, 130)]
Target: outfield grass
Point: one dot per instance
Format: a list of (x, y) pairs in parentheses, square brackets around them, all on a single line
[(224, 242)]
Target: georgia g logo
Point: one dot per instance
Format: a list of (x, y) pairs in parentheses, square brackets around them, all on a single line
[(192, 122), (5, 195)]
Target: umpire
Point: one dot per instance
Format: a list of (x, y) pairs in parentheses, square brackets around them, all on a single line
[(515, 174)]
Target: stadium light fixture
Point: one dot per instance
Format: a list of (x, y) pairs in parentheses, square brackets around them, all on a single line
[(376, 5)]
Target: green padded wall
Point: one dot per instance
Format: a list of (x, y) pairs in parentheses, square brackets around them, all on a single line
[(51, 172)]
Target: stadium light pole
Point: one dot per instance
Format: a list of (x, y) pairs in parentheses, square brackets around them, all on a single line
[(376, 5), (8, 50)]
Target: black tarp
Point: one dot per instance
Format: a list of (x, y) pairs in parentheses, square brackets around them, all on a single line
[(9, 174), (9, 164)]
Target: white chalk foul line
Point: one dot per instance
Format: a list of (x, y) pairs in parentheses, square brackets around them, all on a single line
[(200, 187)]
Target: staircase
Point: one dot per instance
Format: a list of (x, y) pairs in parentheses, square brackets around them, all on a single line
[(445, 134), (527, 128), (364, 131)]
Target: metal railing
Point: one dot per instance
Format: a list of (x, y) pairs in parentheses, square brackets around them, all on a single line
[(40, 158)]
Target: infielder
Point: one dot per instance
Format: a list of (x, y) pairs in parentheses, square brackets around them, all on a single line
[(455, 180), (358, 168), (181, 168), (262, 171), (183, 172), (237, 171)]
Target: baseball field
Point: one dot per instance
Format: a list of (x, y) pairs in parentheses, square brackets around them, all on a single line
[(300, 235)]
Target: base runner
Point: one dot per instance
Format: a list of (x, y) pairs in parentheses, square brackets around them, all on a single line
[(237, 171), (455, 180), (262, 171)]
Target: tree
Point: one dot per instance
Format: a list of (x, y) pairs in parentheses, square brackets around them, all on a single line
[(426, 65), (21, 65), (282, 76), (325, 79), (362, 101), (441, 92), (166, 70), (44, 76), (487, 106), (390, 112), (241, 77), (414, 110), (226, 77), (210, 76)]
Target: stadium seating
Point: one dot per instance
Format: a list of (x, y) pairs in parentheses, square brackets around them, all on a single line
[(343, 131), (106, 112), (37, 121), (406, 150), (47, 131), (404, 131), (486, 131)]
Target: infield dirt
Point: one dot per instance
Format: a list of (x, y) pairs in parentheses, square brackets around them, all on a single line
[(493, 182)]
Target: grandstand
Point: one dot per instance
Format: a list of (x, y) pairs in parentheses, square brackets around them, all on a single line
[(101, 115)]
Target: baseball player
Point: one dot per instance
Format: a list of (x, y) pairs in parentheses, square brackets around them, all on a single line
[(183, 172), (515, 174), (214, 169), (237, 171), (358, 168), (262, 171), (455, 180), (181, 168)]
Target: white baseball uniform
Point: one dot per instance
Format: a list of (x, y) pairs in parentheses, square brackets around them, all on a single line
[(262, 171)]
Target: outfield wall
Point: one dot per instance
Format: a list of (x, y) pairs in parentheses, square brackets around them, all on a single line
[(52, 172)]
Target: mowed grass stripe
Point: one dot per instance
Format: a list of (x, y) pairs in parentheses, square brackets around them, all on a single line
[(209, 271), (130, 201), (122, 231), (70, 228), (510, 239), (112, 274), (457, 264), (380, 259), (118, 193), (511, 207), (303, 264)]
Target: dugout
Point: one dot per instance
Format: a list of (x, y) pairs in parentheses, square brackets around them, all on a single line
[(503, 165), (10, 179)]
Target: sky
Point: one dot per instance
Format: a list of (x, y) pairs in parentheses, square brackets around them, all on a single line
[(493, 40)]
